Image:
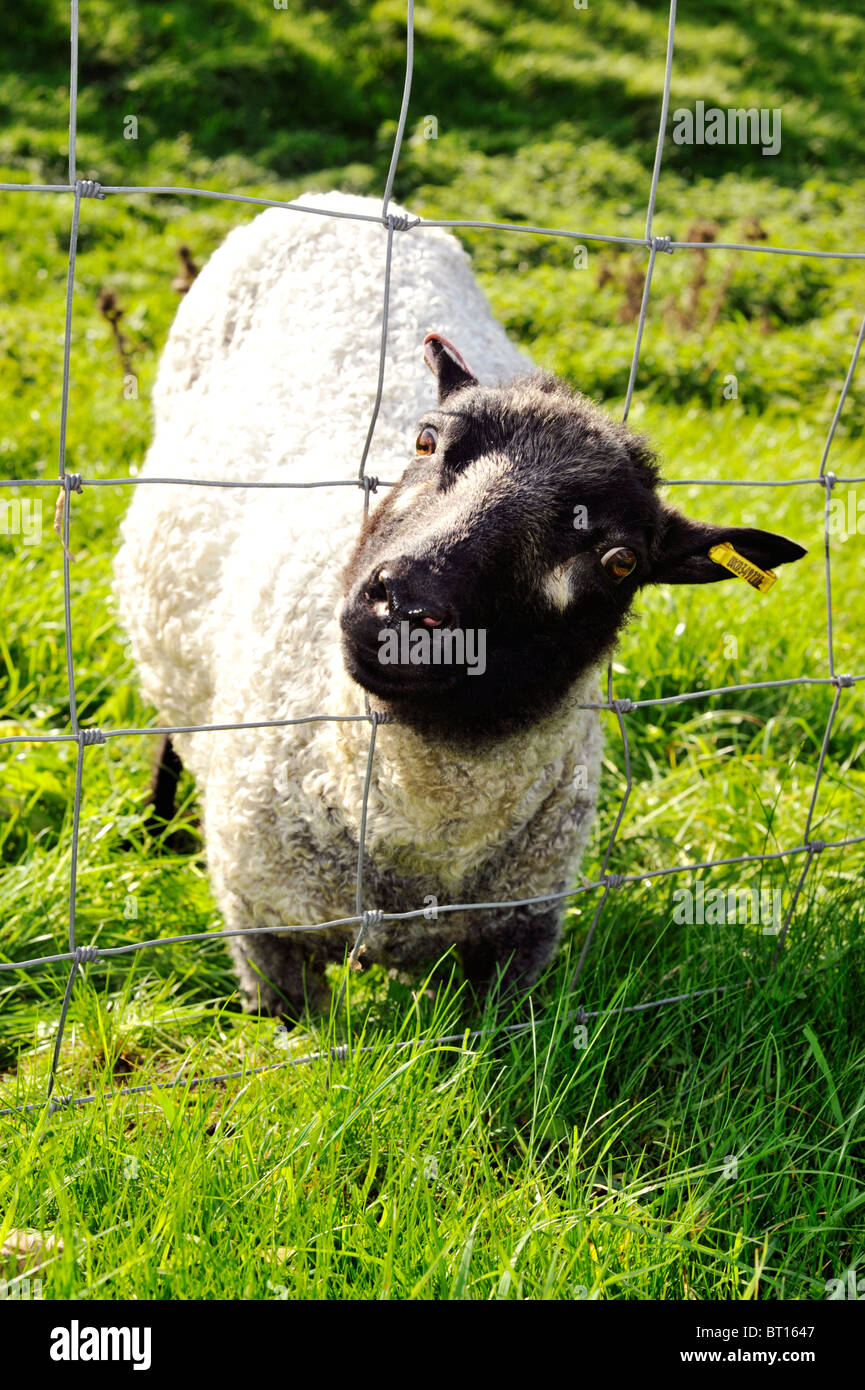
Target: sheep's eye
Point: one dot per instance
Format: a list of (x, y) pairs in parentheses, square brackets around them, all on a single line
[(427, 440), (619, 563)]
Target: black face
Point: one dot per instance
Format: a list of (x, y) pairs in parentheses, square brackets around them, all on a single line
[(503, 564)]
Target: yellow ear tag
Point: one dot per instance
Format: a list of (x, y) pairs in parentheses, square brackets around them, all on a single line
[(725, 555)]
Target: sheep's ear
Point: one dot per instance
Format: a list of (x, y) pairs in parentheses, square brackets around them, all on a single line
[(449, 366), (683, 554)]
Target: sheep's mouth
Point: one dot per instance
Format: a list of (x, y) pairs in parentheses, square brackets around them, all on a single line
[(398, 681)]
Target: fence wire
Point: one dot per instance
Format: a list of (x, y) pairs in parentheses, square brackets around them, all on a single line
[(78, 955)]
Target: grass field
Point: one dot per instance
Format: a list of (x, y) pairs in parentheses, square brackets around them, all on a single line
[(713, 1149)]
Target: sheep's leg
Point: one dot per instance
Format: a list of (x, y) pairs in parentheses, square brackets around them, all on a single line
[(162, 800), (280, 975), (513, 950), (163, 786)]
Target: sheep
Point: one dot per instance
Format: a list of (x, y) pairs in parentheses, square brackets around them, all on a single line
[(522, 516)]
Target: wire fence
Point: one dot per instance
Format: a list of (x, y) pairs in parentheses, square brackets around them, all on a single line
[(77, 955)]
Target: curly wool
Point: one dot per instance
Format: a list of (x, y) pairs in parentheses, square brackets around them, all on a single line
[(230, 597)]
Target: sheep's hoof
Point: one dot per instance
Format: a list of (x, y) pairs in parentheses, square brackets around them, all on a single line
[(295, 1002), (180, 841), (289, 1011)]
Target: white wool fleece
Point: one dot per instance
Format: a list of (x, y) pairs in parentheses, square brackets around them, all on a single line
[(231, 597)]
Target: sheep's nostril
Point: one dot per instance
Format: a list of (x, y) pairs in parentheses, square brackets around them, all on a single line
[(423, 615), (376, 592), (428, 617)]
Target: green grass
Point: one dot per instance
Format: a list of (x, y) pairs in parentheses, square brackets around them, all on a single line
[(712, 1149)]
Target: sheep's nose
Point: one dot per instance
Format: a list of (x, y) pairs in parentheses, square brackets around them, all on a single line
[(406, 597)]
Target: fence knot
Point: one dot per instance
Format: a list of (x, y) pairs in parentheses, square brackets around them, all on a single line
[(84, 954), (89, 188), (580, 1016), (844, 682), (662, 243), (614, 880), (829, 481), (368, 484), (622, 706), (371, 919), (75, 482), (380, 716), (816, 846), (87, 737), (402, 224)]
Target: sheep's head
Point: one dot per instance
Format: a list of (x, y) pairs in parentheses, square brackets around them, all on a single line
[(502, 565)]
